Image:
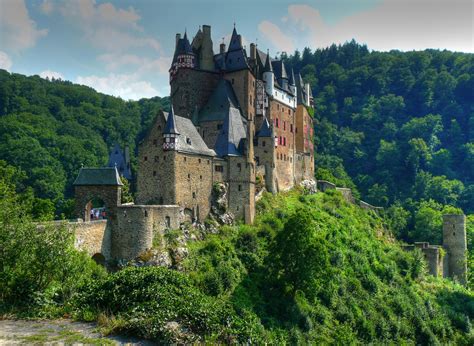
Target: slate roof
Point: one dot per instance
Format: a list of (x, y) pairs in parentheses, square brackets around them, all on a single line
[(265, 129), (189, 140), (182, 47), (229, 141), (236, 56), (121, 160), (222, 99), (98, 176), (170, 127), (301, 92)]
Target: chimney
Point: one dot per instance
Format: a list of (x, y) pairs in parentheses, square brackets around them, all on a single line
[(206, 29), (253, 51), (178, 37), (222, 48)]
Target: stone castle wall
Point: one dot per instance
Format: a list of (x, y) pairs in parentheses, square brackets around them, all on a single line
[(193, 177), (191, 89)]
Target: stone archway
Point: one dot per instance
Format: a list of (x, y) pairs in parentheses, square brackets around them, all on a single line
[(85, 195)]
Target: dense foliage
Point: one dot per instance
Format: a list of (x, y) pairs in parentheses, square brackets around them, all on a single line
[(313, 269), (49, 129), (39, 267), (398, 126)]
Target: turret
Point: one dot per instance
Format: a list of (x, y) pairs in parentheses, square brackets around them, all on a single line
[(206, 58), (170, 133), (268, 76), (184, 56)]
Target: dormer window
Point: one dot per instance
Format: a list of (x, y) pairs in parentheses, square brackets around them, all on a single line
[(188, 140)]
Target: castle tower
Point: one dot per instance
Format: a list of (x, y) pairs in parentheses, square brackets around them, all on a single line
[(170, 134), (454, 241), (268, 76), (184, 57)]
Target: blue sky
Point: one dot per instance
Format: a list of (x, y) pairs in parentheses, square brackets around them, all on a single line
[(124, 47)]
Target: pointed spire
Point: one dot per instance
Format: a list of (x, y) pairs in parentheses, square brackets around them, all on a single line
[(292, 78), (265, 129), (235, 41), (170, 127), (268, 64)]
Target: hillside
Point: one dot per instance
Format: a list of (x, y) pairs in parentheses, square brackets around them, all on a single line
[(312, 269), (397, 126), (49, 129)]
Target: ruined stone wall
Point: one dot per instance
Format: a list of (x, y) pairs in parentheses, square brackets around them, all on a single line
[(282, 118), (454, 241), (155, 178), (193, 176), (137, 226), (192, 88)]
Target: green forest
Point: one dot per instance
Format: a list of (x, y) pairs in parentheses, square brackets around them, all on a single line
[(395, 127)]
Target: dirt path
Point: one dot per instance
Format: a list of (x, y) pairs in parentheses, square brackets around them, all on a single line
[(58, 332)]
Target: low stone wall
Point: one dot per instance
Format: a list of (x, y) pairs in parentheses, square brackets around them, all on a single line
[(324, 185), (367, 206), (347, 194), (94, 237), (137, 225)]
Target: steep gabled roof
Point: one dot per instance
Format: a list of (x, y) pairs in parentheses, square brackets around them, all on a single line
[(121, 160), (229, 140), (170, 127), (265, 129), (222, 98), (190, 141), (236, 56), (291, 81), (235, 41), (268, 65), (98, 176)]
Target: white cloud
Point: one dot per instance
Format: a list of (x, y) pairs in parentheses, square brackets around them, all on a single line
[(142, 65), (107, 27), (48, 74), (5, 61), (17, 30), (127, 86), (47, 7), (274, 34), (392, 24)]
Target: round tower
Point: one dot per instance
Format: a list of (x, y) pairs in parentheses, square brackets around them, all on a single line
[(454, 241), (268, 76)]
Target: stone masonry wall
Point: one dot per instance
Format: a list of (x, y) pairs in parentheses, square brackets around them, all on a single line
[(94, 237), (209, 131), (137, 226), (193, 176), (190, 89), (265, 156), (155, 177), (454, 241), (241, 195)]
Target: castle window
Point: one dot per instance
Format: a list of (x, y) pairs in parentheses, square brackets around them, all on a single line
[(200, 177), (145, 158), (276, 122), (278, 107), (168, 221), (146, 213), (188, 140), (156, 158), (189, 176), (154, 173), (289, 111), (257, 159), (219, 168), (208, 162), (263, 143), (284, 125), (291, 128), (199, 160), (219, 126), (239, 166), (240, 187), (184, 159), (155, 142), (194, 194)]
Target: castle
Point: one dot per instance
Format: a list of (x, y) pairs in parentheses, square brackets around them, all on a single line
[(237, 120), (238, 123)]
